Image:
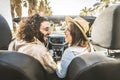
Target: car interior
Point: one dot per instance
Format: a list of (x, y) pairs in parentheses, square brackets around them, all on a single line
[(90, 66)]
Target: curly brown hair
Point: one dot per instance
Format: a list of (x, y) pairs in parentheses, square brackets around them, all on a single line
[(29, 28)]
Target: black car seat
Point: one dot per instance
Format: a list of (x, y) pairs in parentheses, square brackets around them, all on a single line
[(18, 66), (5, 34), (100, 65), (94, 67)]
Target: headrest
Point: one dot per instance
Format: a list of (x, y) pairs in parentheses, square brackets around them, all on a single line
[(93, 66), (5, 33), (9, 73), (106, 28), (20, 63)]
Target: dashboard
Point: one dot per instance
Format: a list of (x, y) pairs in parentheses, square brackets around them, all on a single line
[(57, 45)]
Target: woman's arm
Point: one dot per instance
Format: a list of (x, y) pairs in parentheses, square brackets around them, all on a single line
[(62, 66)]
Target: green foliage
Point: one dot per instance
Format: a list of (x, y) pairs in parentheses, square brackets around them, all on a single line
[(97, 7)]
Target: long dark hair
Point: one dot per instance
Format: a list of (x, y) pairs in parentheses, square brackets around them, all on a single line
[(30, 28), (77, 37)]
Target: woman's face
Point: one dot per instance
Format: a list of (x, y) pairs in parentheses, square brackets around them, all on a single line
[(68, 37)]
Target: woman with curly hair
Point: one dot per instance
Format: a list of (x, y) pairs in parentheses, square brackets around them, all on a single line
[(31, 35)]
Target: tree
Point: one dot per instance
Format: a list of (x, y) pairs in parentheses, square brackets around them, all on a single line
[(86, 11), (34, 6), (16, 10), (97, 7)]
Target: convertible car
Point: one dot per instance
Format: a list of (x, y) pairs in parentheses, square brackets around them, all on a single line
[(98, 65)]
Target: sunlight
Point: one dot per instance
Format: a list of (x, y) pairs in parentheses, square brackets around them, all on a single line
[(70, 7)]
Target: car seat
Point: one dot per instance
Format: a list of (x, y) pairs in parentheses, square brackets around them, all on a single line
[(94, 67), (5, 34), (100, 65), (18, 66)]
